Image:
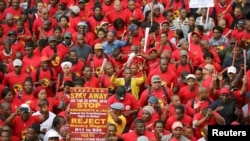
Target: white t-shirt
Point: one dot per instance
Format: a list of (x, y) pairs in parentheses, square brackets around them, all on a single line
[(47, 124)]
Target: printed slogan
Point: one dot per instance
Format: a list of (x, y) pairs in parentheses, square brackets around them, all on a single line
[(88, 113)]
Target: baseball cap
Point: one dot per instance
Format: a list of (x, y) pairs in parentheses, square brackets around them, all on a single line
[(153, 100), (82, 24), (44, 58), (67, 35), (142, 138), (198, 34), (52, 133), (104, 22), (74, 9), (81, 1), (117, 106), (231, 69), (224, 91), (241, 23), (190, 76), (120, 92), (52, 38), (181, 42), (25, 108), (132, 27), (177, 124), (166, 21), (12, 32), (17, 62), (98, 46), (183, 52), (156, 78), (152, 49), (156, 6)]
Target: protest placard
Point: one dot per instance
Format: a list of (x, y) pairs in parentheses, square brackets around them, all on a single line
[(88, 113)]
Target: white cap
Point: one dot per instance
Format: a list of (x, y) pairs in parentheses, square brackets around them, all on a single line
[(190, 76), (82, 23), (17, 62), (177, 124), (52, 133), (75, 9), (231, 69), (142, 138)]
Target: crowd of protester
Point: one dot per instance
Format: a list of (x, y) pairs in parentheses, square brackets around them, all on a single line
[(188, 72)]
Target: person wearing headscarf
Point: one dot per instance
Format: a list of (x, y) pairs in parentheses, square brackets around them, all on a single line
[(65, 75), (147, 114)]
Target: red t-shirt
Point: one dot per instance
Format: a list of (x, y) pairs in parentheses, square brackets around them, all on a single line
[(136, 14), (132, 136), (92, 83), (168, 78), (53, 103), (129, 103), (188, 110), (34, 62), (20, 127), (158, 93), (186, 120), (77, 68), (197, 117), (185, 94), (14, 12), (15, 82)]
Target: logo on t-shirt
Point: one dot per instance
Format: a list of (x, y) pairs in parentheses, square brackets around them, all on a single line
[(18, 88)]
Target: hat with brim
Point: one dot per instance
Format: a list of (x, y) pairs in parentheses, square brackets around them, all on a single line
[(155, 78), (44, 59), (224, 91), (118, 106), (177, 124), (98, 46), (51, 38)]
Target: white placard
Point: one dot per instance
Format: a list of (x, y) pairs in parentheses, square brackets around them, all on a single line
[(201, 3)]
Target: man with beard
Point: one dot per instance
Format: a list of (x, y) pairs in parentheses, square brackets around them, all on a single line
[(77, 64), (96, 20), (226, 106), (66, 44)]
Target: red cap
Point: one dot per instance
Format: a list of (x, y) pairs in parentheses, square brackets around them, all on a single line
[(166, 21), (198, 34), (152, 49), (224, 91), (44, 58)]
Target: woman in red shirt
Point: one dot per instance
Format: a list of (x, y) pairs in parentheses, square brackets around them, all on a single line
[(26, 96), (8, 96), (39, 94)]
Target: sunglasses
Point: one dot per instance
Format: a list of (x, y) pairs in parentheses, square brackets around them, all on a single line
[(47, 13)]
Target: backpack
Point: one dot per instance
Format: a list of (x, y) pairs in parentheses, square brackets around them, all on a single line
[(61, 76), (38, 73), (91, 58), (158, 109)]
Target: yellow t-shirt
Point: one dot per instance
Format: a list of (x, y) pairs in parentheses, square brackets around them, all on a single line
[(120, 128)]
